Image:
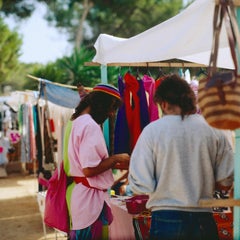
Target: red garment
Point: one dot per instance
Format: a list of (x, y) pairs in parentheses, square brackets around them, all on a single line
[(132, 104), (224, 221), (158, 81), (85, 182)]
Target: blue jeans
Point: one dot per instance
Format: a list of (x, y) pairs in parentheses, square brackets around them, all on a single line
[(182, 225)]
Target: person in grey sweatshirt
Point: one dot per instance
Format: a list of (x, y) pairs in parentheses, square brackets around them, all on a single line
[(178, 160)]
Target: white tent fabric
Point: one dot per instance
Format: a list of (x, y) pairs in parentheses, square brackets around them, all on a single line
[(187, 36)]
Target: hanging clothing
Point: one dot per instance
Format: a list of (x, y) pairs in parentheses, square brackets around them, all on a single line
[(132, 104), (58, 95), (121, 131), (149, 85), (24, 131), (144, 115), (32, 134)]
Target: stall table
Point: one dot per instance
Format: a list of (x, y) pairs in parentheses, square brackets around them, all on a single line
[(122, 225)]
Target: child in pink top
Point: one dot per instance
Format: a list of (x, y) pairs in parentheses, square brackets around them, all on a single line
[(90, 166)]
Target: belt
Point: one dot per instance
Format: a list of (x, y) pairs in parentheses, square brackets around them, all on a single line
[(85, 182)]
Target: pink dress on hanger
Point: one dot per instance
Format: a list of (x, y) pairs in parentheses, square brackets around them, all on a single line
[(149, 85)]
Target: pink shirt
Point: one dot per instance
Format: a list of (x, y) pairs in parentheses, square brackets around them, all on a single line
[(87, 148)]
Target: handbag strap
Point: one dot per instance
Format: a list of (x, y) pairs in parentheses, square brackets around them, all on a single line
[(236, 35), (231, 33), (225, 10), (234, 23), (217, 25)]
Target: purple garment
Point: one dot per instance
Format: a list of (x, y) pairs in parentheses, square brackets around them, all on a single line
[(149, 85), (144, 116), (121, 132)]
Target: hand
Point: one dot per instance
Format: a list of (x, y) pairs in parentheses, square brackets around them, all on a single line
[(122, 161)]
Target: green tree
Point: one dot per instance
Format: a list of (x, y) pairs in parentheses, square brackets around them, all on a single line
[(20, 8), (76, 71), (10, 44), (67, 70), (50, 71), (85, 20)]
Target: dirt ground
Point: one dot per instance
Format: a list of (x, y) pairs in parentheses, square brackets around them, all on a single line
[(20, 217)]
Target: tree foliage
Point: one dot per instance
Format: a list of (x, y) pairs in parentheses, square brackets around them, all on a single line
[(68, 70), (121, 18), (83, 20), (20, 9), (10, 44)]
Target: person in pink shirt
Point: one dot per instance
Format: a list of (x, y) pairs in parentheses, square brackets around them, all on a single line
[(89, 164)]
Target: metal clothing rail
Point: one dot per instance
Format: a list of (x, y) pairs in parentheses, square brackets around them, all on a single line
[(148, 64)]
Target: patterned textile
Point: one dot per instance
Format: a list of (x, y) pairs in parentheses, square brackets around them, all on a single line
[(106, 88), (141, 224), (224, 221), (98, 230)]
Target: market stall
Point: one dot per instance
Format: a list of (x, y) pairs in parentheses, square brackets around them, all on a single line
[(175, 38)]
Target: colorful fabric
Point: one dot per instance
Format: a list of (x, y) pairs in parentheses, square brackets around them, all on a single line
[(132, 103), (144, 114), (67, 132), (106, 88), (224, 221), (141, 224), (98, 230), (121, 131), (86, 148), (149, 85)]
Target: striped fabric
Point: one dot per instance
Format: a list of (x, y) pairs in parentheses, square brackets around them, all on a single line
[(109, 89)]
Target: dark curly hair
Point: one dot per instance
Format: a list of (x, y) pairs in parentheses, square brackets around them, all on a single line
[(176, 91), (100, 103)]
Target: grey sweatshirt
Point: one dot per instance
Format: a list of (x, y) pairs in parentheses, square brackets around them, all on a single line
[(177, 162)]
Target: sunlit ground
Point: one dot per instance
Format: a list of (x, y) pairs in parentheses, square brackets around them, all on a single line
[(20, 215)]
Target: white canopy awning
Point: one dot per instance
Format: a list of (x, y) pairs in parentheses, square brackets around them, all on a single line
[(187, 36)]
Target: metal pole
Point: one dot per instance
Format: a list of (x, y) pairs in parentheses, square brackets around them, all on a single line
[(236, 212), (104, 79)]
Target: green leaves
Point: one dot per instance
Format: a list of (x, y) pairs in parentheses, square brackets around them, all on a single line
[(10, 44)]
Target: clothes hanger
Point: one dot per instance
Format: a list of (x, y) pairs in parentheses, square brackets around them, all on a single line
[(160, 73), (119, 71), (138, 74), (148, 71)]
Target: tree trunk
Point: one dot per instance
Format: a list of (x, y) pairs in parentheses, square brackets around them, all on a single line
[(87, 5)]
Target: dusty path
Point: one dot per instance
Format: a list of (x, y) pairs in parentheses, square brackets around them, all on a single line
[(20, 218)]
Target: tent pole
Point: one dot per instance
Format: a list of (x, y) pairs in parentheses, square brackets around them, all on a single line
[(106, 123), (104, 74), (236, 213), (236, 210)]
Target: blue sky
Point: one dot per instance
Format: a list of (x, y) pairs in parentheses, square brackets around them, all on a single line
[(41, 43)]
